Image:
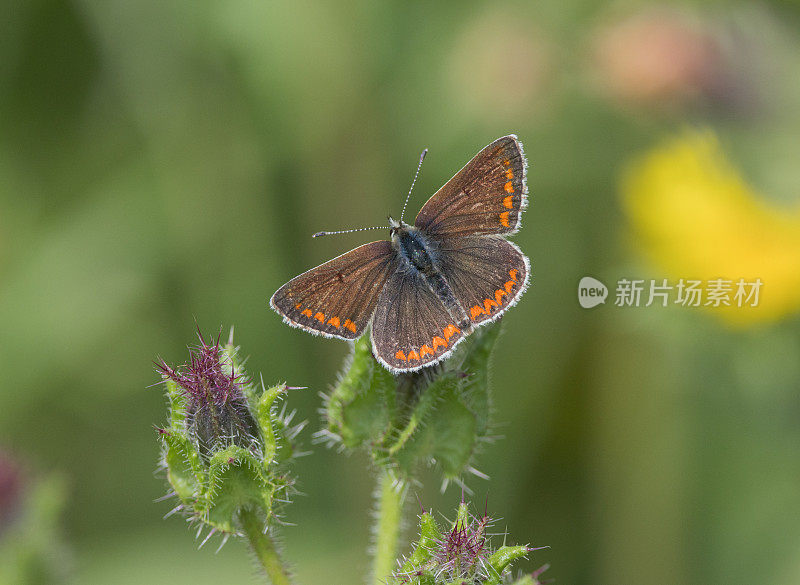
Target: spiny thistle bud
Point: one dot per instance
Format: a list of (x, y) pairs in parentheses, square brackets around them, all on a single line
[(217, 413), (225, 446), (438, 415), (462, 555)]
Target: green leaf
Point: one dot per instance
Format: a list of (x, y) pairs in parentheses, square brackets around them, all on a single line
[(526, 580), (429, 536), (177, 403), (237, 481), (354, 383), (184, 468), (265, 417), (476, 366), (449, 435), (506, 555)]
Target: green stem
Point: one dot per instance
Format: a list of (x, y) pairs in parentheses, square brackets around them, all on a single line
[(264, 548), (387, 530)]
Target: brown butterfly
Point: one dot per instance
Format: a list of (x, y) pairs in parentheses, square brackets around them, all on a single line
[(428, 287)]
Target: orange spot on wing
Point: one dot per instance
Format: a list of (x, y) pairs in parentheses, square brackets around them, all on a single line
[(504, 219), (320, 317), (488, 304), (450, 330), (509, 285), (508, 201), (513, 274), (350, 325), (307, 313), (506, 162), (413, 355), (400, 355), (475, 311), (298, 305), (425, 350), (498, 294), (334, 321), (437, 341), (509, 187), (509, 174)]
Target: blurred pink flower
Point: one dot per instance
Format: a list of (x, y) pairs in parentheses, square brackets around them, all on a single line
[(11, 484), (663, 57)]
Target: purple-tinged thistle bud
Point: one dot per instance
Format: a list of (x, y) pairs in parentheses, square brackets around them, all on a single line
[(217, 413), (463, 554), (225, 445), (464, 549)]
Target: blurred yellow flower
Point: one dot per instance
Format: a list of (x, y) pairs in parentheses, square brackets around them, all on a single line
[(696, 218)]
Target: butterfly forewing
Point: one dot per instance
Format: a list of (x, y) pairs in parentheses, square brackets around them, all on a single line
[(487, 196), (486, 273), (338, 298), (411, 327)]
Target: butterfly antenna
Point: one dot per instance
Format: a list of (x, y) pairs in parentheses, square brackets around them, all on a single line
[(377, 227), (419, 166)]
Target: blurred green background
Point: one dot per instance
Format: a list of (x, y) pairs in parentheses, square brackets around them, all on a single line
[(165, 163)]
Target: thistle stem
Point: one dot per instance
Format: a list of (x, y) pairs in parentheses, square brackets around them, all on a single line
[(391, 497), (264, 548)]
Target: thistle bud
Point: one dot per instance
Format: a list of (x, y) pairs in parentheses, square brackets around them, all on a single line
[(225, 446), (217, 413), (437, 415), (463, 554)]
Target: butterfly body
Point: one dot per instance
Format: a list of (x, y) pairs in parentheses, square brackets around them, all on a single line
[(414, 248), (418, 254), (428, 287)]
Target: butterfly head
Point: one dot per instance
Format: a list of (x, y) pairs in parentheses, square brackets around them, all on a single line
[(397, 226)]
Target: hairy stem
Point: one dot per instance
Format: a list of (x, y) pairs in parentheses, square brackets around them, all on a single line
[(391, 497), (264, 548)]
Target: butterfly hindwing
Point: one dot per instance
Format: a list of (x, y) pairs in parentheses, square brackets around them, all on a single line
[(411, 327), (487, 196), (337, 298), (487, 274)]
